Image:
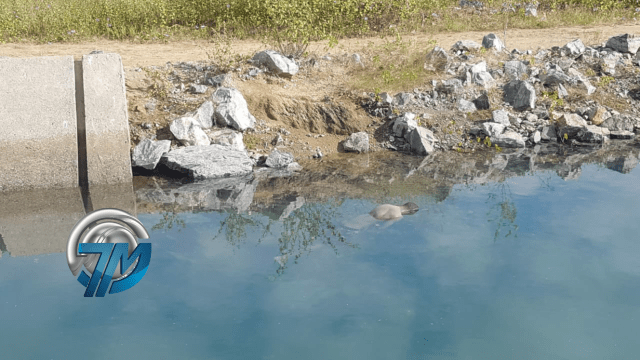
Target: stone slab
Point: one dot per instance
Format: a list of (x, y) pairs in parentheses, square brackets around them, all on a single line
[(39, 221), (106, 120), (38, 125)]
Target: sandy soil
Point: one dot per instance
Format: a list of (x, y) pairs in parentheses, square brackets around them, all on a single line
[(135, 54)]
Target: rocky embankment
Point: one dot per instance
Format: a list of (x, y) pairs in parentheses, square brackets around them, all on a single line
[(487, 99)]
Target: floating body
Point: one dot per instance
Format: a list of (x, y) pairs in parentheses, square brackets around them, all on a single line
[(386, 212)]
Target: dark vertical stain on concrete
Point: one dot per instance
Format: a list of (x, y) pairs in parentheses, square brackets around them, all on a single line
[(3, 246), (82, 138)]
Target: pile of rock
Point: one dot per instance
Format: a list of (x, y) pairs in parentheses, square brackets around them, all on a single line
[(521, 119), (204, 152)]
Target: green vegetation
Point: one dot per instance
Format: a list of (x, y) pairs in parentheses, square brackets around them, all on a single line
[(250, 141), (284, 22), (555, 99), (605, 80)]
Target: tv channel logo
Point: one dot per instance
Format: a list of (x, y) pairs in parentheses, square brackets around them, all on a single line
[(101, 240)]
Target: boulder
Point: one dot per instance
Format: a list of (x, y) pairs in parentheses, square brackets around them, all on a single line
[(554, 77), (508, 139), (209, 162), (548, 133), (279, 160), (493, 129), (574, 48), (437, 59), (484, 79), (478, 68), (276, 63), (404, 124), (520, 94), (501, 117), (593, 134), (619, 122), (357, 142), (492, 41), (598, 115), (465, 45), (231, 109), (403, 98), (570, 124), (147, 153), (450, 86), (198, 89), (187, 130), (219, 80), (466, 106), (536, 137), (482, 102), (386, 98), (625, 43), (204, 115), (515, 70), (227, 137), (421, 141)]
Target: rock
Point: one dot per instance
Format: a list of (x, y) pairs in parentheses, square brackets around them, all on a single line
[(402, 99), (570, 124), (450, 86), (219, 80), (622, 134), (565, 64), (515, 69), (421, 141), (188, 131), (562, 92), (508, 139), (482, 102), (276, 63), (520, 94), (574, 48), (468, 3), (484, 79), (204, 115), (608, 66), (619, 122), (198, 89), (501, 117), (478, 68), (279, 160), (277, 140), (404, 124), (531, 10), (554, 77), (625, 43), (592, 134), (231, 109), (465, 45), (598, 115), (466, 106), (536, 137), (208, 162), (147, 153), (585, 85), (357, 142), (437, 59), (493, 129), (492, 41), (548, 133), (227, 137), (386, 98)]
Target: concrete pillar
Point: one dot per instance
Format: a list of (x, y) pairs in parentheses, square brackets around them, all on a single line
[(38, 128), (106, 120)]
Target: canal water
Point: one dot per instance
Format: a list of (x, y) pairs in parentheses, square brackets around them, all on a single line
[(535, 266)]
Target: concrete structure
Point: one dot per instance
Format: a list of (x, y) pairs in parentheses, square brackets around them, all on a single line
[(39, 221), (38, 128), (106, 120)]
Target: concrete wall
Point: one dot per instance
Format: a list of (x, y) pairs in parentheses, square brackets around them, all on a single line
[(38, 127), (106, 120)]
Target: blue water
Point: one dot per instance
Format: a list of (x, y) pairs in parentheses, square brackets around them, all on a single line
[(535, 267)]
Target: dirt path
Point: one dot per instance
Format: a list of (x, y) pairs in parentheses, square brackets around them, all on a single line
[(134, 54)]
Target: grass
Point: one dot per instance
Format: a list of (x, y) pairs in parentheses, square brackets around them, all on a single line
[(294, 21)]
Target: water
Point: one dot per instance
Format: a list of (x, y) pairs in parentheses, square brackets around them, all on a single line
[(534, 267)]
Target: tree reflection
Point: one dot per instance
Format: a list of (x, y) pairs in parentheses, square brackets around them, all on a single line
[(309, 225), (502, 212), (169, 219)]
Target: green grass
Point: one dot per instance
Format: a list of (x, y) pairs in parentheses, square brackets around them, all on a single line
[(296, 21)]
